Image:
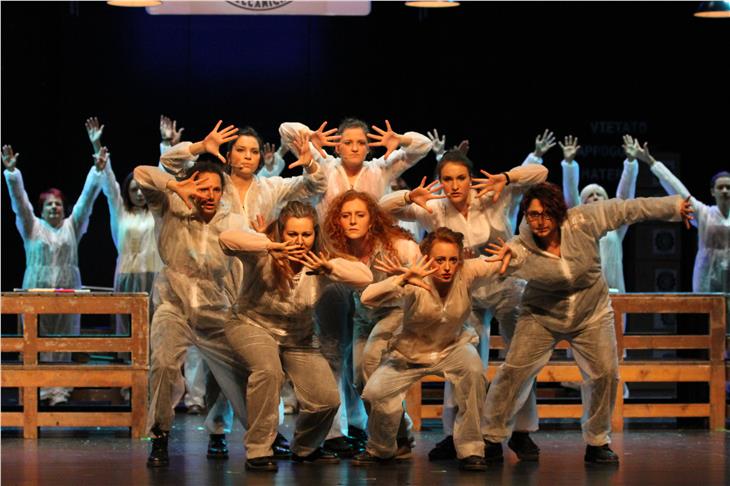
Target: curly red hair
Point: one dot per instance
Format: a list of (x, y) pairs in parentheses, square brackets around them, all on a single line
[(383, 228)]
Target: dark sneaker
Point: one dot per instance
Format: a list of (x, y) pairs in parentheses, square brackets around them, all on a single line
[(217, 447), (195, 410), (158, 454), (473, 463), (367, 459), (357, 433), (339, 446), (600, 455), (319, 456), (263, 464), (404, 450), (524, 447), (493, 452), (281, 447), (444, 450)]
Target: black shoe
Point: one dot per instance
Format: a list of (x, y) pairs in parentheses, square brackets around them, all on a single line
[(217, 447), (357, 433), (319, 456), (600, 455), (473, 463), (195, 410), (339, 446), (493, 452), (262, 464), (444, 450), (524, 447), (158, 454), (281, 447), (358, 445), (367, 459)]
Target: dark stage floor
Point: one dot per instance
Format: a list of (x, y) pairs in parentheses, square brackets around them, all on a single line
[(107, 457)]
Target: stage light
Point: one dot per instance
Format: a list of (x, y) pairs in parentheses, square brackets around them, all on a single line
[(715, 10), (432, 4), (134, 3)]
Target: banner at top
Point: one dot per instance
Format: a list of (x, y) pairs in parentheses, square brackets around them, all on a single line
[(262, 7)]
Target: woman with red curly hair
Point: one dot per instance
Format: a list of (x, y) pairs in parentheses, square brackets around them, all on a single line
[(356, 226)]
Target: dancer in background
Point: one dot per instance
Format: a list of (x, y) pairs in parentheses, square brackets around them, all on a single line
[(51, 245)]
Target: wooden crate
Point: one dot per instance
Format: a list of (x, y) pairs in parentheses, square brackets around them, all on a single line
[(712, 371), (29, 376)]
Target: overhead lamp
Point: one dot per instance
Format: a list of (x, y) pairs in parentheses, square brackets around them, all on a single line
[(713, 10), (134, 3), (432, 4)]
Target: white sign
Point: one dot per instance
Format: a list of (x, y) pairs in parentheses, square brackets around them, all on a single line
[(262, 7)]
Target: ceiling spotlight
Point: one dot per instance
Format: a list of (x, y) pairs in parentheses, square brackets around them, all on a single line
[(715, 10), (134, 3), (432, 4)]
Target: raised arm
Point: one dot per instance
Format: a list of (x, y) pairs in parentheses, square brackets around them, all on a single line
[(571, 171), (400, 205), (413, 147), (320, 138), (603, 216), (24, 217), (169, 134), (273, 160), (115, 202), (81, 211)]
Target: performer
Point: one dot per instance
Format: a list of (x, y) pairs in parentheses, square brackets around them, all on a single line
[(273, 331), (350, 171), (712, 263), (435, 295), (566, 297), (481, 218), (356, 225), (51, 250)]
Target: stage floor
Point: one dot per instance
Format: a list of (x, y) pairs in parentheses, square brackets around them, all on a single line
[(662, 456)]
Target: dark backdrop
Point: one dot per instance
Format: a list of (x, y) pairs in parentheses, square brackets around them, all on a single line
[(496, 74)]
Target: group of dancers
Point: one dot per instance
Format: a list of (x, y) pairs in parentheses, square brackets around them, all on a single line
[(315, 280)]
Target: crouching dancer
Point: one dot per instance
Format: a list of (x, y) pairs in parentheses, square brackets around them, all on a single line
[(436, 297), (273, 331)]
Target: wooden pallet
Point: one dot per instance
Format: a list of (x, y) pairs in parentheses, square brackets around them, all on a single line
[(30, 376), (711, 371)]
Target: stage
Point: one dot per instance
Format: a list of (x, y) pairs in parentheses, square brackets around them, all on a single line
[(651, 453)]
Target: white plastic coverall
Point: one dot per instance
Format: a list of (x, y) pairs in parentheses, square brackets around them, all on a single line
[(273, 335), (486, 222), (712, 263), (434, 340), (194, 294), (566, 297), (612, 252), (52, 256), (266, 196), (375, 178)]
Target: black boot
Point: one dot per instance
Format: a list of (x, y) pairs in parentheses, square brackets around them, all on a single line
[(281, 447), (339, 446), (493, 452), (600, 455), (473, 463), (158, 454), (444, 450), (262, 464), (217, 447), (524, 447)]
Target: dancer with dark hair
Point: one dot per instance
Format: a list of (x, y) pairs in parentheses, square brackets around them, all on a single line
[(51, 245), (273, 331), (566, 298)]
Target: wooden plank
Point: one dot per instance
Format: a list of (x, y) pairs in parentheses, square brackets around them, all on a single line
[(109, 303), (30, 337), (664, 372), (138, 422), (12, 344), (644, 410), (72, 377), (30, 412), (72, 344), (140, 348), (85, 419), (12, 419), (414, 405), (666, 342)]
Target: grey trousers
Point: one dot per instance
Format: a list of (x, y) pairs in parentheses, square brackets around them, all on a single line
[(314, 386), (594, 348), (171, 335), (387, 387)]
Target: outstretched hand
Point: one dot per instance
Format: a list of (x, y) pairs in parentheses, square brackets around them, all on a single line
[(168, 130), (415, 274), (94, 130), (10, 158), (213, 141), (687, 211), (191, 188), (424, 193), (631, 147), (544, 143), (492, 182), (323, 138), (101, 158), (385, 138), (301, 145), (570, 148), (500, 252), (258, 224), (313, 261), (390, 265), (643, 154), (438, 145)]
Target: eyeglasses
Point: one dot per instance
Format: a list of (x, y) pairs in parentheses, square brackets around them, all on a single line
[(533, 216)]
